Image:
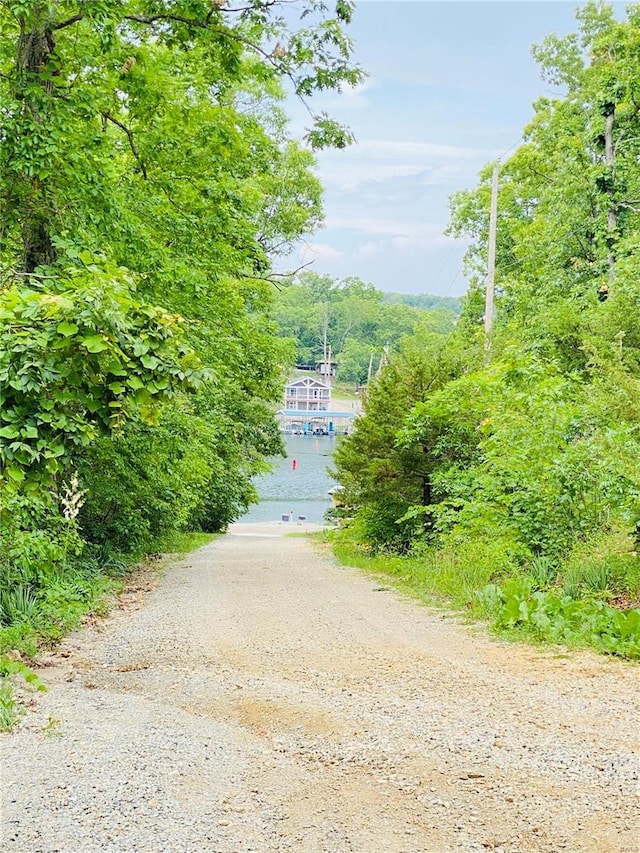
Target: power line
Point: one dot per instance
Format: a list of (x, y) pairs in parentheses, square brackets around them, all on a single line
[(450, 288), (511, 147), (448, 258), (445, 295)]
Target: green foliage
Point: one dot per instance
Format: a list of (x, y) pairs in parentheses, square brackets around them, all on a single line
[(517, 605), (543, 571), (10, 709), (180, 544), (18, 603), (10, 667), (128, 508), (559, 618), (527, 453), (36, 540), (73, 358), (10, 712), (146, 180), (426, 302), (355, 360), (357, 321), (433, 575), (373, 466), (567, 196), (199, 482), (48, 578), (381, 525), (513, 453)]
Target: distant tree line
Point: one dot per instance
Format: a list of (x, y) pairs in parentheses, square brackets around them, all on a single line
[(355, 320), (425, 301)]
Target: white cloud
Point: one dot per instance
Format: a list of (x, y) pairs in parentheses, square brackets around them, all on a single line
[(415, 244), (320, 252), (370, 248), (420, 151), (380, 160), (442, 176), (359, 89), (394, 228), (350, 175)]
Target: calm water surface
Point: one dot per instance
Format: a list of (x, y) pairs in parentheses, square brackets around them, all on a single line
[(303, 490)]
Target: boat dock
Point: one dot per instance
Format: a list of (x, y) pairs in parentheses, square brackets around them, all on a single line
[(315, 422)]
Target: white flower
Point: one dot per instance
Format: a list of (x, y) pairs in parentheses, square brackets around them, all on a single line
[(72, 499)]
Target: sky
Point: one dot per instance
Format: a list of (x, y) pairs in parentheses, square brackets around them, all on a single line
[(450, 88)]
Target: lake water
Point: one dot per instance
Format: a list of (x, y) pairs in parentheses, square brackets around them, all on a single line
[(303, 490)]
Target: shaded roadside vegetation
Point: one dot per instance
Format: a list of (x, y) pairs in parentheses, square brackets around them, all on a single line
[(527, 605), (38, 618), (147, 180), (508, 481)]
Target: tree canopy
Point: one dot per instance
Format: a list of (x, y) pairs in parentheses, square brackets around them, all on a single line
[(147, 180), (528, 453), (351, 318)]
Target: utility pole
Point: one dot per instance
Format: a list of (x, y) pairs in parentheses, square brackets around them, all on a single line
[(323, 370), (491, 263), (384, 358)]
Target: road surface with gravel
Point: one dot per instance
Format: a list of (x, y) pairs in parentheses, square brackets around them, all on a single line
[(260, 698)]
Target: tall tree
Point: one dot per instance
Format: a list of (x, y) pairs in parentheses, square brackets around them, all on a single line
[(568, 207), (535, 454), (144, 154)]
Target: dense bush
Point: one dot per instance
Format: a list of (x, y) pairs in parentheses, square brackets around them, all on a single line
[(526, 453), (147, 180)]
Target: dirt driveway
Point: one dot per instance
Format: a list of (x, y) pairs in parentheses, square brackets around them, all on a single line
[(261, 698)]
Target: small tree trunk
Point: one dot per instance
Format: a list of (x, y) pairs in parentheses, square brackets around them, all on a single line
[(426, 484), (426, 492), (35, 47), (609, 158), (38, 248)]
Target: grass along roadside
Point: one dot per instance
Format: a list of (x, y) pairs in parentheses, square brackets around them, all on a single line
[(525, 606), (32, 622)]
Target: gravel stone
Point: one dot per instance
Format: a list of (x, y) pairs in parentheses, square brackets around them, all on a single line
[(261, 698)]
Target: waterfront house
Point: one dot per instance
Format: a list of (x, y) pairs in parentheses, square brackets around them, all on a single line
[(327, 368), (307, 394), (307, 409)]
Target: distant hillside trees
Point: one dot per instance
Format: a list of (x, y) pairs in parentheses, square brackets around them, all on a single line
[(353, 318), (425, 301)]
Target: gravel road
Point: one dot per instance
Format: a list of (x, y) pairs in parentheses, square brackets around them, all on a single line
[(261, 698)]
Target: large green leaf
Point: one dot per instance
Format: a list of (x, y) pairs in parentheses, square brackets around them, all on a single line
[(67, 329), (95, 343)]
